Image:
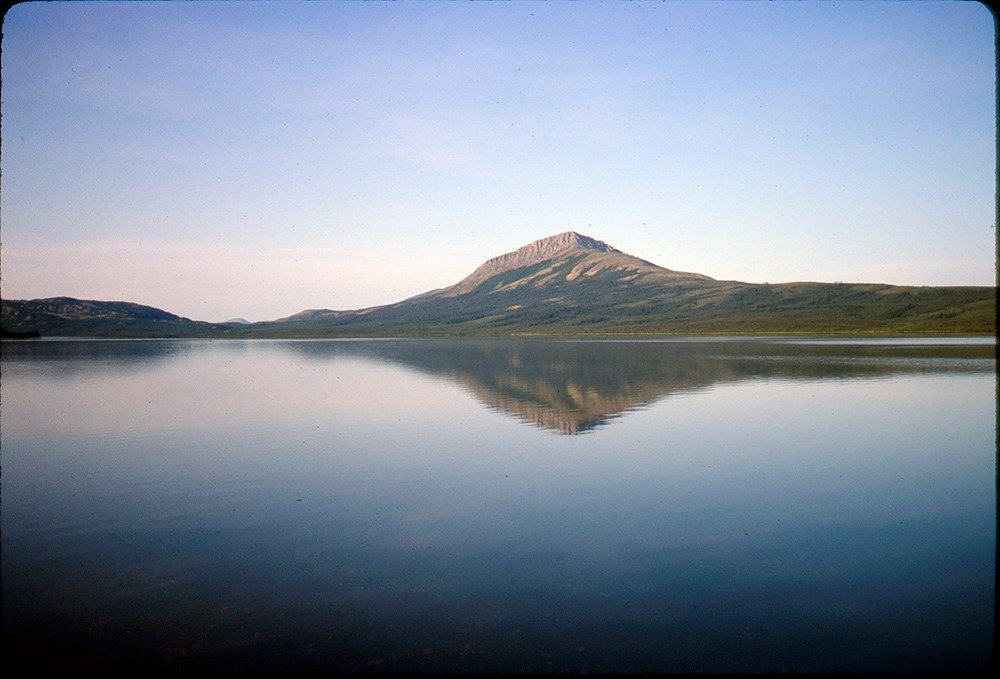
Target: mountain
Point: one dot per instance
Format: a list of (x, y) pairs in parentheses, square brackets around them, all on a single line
[(573, 284), (70, 317), (565, 284), (543, 263)]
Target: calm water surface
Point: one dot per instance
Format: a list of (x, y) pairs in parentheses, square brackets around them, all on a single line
[(717, 505)]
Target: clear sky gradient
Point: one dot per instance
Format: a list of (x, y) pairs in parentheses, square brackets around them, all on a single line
[(223, 159)]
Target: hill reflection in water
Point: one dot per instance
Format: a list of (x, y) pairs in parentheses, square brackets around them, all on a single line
[(571, 386), (575, 386)]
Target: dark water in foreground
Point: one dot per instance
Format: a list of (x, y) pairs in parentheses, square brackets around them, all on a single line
[(723, 505)]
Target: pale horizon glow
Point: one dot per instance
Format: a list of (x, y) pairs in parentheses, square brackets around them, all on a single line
[(254, 159)]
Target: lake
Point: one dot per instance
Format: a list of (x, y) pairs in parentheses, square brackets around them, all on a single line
[(500, 505)]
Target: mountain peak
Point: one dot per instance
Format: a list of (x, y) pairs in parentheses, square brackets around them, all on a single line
[(568, 240), (533, 253)]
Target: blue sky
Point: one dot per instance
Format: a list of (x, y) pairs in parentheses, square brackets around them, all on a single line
[(222, 159)]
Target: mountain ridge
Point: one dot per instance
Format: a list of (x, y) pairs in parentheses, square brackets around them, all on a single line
[(568, 283)]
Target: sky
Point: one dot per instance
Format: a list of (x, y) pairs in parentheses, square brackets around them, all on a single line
[(252, 159)]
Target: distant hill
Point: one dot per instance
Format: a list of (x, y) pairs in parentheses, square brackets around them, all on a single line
[(565, 284), (70, 317)]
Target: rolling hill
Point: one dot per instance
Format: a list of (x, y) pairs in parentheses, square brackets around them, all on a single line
[(70, 317), (565, 284)]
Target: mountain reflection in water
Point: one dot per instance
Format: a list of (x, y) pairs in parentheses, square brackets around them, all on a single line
[(575, 386), (571, 386), (759, 505)]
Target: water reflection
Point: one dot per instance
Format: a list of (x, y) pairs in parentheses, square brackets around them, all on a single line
[(68, 357), (575, 386), (346, 506), (562, 385)]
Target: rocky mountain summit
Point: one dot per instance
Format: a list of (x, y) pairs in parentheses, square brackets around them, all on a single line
[(539, 251), (593, 256)]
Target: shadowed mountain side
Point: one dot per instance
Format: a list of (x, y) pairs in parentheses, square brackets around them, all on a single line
[(574, 386)]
